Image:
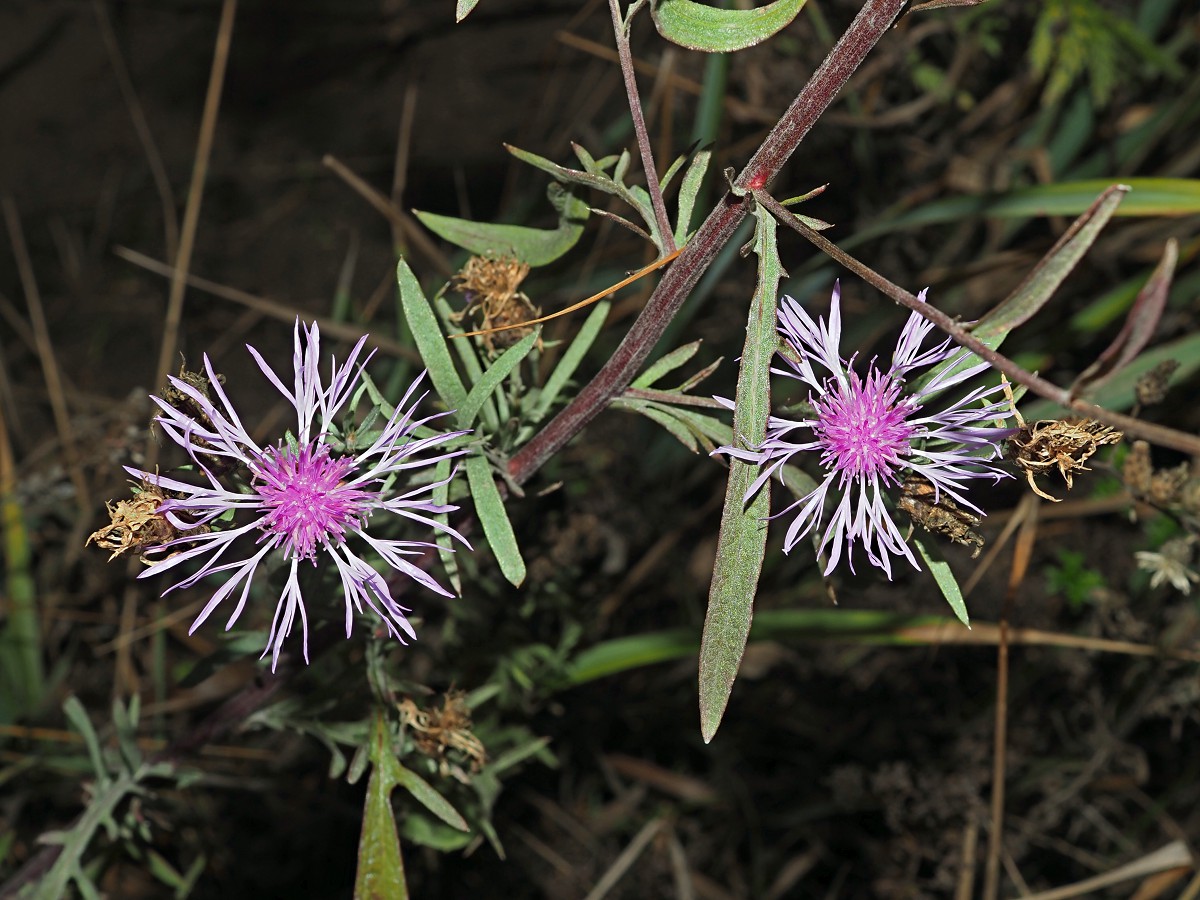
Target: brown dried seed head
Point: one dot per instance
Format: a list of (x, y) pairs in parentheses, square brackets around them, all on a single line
[(1166, 485), (1152, 387), (438, 731), (135, 524), (939, 514), (1138, 471), (1062, 444), (491, 287)]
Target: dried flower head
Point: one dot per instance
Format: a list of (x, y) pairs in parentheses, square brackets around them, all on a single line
[(871, 434), (303, 498), (939, 514), (136, 524), (1151, 388), (491, 287), (1172, 563), (1063, 444), (437, 732)]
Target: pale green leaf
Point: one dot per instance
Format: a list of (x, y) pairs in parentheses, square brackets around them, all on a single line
[(535, 246), (463, 9), (688, 191), (489, 506), (431, 343), (571, 359), (424, 794), (946, 581), (713, 30), (741, 543), (666, 363), (493, 378)]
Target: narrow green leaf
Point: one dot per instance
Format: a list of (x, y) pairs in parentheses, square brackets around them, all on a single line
[(1140, 324), (946, 581), (493, 378), (666, 363), (535, 246), (660, 415), (693, 178), (424, 794), (571, 359), (489, 506), (380, 865), (741, 543), (445, 544), (1041, 283), (699, 27), (464, 9), (428, 335)]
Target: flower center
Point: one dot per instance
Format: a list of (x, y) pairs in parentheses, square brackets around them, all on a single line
[(864, 427), (307, 504)]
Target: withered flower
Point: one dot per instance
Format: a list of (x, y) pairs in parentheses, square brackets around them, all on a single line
[(939, 514), (436, 732), (491, 286), (1063, 444), (135, 524)]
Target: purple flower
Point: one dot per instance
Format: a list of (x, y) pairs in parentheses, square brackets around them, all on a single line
[(303, 497), (870, 433)]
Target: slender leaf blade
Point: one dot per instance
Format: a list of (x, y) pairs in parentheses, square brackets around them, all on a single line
[(741, 543), (493, 377), (498, 530), (424, 794), (430, 341), (946, 582), (571, 359)]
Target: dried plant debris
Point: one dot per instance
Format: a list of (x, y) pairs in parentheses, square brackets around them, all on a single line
[(491, 288), (136, 524), (1151, 388), (437, 732), (939, 514), (1172, 488), (1063, 444)]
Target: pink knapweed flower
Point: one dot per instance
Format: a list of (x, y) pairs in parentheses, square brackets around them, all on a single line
[(301, 496), (870, 434)]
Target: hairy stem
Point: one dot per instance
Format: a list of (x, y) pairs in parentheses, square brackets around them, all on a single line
[(871, 23), (1156, 434), (621, 32)]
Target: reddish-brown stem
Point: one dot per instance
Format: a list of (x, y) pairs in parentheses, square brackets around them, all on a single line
[(871, 23), (1156, 434), (625, 55)]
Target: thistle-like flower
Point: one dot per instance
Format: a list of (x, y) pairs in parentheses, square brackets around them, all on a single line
[(871, 434), (304, 497)]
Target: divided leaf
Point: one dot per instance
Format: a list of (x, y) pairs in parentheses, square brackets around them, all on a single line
[(535, 246)]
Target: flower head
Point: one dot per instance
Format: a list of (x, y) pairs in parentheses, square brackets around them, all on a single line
[(303, 496), (871, 433)]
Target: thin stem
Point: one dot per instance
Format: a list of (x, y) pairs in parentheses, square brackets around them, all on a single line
[(621, 32), (1156, 434), (871, 24)]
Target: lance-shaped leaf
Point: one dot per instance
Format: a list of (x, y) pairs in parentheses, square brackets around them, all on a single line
[(535, 246), (1041, 283), (463, 9), (493, 377), (712, 30), (498, 530), (946, 582), (430, 341), (688, 191), (742, 541), (1139, 324)]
